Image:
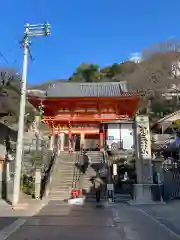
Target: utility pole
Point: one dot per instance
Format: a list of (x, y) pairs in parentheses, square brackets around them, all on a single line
[(30, 31)]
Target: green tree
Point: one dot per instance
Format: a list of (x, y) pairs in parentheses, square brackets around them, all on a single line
[(86, 73)]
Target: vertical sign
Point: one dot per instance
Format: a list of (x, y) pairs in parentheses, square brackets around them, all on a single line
[(115, 169), (143, 149)]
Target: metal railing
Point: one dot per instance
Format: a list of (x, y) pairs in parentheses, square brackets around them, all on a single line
[(47, 176), (76, 172)]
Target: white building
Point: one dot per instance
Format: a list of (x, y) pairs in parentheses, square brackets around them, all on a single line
[(136, 57)]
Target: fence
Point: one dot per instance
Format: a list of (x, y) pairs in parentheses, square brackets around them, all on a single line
[(171, 186)]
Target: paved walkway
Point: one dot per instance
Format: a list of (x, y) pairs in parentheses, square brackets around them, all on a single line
[(168, 214), (116, 222), (12, 218), (6, 216)]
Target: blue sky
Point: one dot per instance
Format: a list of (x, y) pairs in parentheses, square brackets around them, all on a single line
[(96, 31)]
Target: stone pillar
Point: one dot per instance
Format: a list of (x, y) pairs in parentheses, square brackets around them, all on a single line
[(61, 141), (37, 179), (82, 142), (50, 143), (142, 190)]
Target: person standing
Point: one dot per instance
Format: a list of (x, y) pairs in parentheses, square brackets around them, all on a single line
[(98, 184)]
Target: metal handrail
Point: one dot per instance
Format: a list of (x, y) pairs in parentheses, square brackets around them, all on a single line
[(46, 180), (75, 173), (78, 175)]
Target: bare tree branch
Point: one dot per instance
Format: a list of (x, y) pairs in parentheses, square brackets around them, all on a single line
[(158, 71)]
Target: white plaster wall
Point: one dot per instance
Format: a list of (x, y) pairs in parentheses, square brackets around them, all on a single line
[(113, 134), (122, 131), (127, 135)]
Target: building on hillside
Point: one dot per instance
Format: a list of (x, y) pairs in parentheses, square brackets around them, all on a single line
[(98, 114), (163, 131), (164, 125), (136, 57)]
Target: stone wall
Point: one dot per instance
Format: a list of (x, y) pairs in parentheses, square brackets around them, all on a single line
[(4, 131)]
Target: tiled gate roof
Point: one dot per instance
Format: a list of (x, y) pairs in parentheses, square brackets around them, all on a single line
[(69, 89)]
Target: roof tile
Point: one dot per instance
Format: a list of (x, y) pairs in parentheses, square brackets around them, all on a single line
[(69, 89)]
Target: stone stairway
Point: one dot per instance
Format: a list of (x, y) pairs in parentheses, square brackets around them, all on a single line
[(96, 157), (85, 183), (62, 176), (66, 175)]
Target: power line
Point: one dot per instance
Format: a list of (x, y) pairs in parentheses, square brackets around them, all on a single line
[(3, 57)]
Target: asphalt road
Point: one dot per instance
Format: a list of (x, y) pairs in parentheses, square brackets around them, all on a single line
[(116, 222)]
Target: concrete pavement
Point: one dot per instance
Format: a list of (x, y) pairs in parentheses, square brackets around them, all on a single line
[(167, 215), (118, 221), (12, 218), (6, 216)]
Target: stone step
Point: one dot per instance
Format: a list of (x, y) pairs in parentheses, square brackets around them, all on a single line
[(65, 183), (65, 165), (60, 197), (61, 186), (66, 176), (71, 171), (62, 169), (63, 176), (62, 180), (63, 191), (64, 173), (62, 183)]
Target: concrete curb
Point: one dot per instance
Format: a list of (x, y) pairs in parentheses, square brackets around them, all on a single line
[(9, 230)]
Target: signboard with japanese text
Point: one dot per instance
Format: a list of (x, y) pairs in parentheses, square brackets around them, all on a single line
[(143, 131), (143, 148)]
